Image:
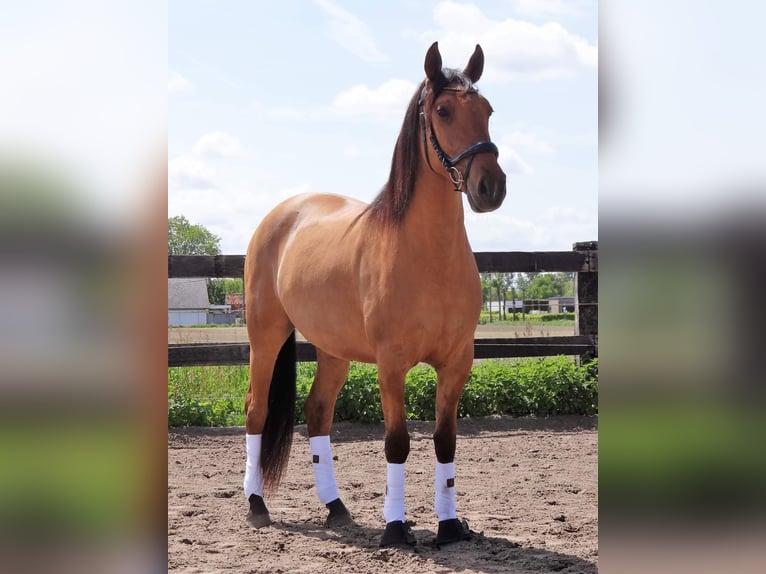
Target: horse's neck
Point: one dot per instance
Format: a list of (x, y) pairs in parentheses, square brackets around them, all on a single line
[(434, 223)]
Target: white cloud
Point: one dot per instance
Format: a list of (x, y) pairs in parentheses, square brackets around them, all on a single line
[(531, 141), (556, 228), (352, 151), (513, 145), (189, 173), (351, 32), (546, 8), (217, 144), (511, 162), (515, 49), (390, 97), (177, 83)]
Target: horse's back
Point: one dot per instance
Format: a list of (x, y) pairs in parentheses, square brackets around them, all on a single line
[(304, 257), (294, 214)]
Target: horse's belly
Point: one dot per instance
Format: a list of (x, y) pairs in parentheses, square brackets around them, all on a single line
[(343, 347)]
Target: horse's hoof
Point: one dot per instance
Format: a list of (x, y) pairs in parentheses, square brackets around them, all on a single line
[(397, 533), (339, 514), (258, 515), (452, 530)]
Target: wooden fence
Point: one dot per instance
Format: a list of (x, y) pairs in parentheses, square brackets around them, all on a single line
[(582, 260)]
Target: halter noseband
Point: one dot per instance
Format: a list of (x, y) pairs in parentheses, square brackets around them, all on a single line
[(450, 163)]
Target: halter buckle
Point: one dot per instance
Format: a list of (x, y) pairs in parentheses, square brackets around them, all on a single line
[(456, 178)]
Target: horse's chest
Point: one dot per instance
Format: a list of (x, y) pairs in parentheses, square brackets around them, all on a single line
[(437, 311)]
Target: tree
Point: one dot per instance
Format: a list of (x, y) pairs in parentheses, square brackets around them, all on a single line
[(545, 285), (217, 289), (509, 283), (496, 282), (523, 281), (185, 238), (486, 291), (567, 278)]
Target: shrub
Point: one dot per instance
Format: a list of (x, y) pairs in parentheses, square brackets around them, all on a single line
[(542, 387), (569, 316), (359, 399)]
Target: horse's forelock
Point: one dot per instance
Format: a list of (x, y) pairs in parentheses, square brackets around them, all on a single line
[(454, 76)]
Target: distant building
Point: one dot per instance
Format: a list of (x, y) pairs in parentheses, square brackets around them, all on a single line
[(509, 306), (561, 304), (222, 315), (187, 301), (550, 305)]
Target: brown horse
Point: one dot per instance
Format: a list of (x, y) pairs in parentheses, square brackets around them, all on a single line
[(357, 281)]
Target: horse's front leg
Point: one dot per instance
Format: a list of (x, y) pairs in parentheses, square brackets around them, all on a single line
[(397, 448), (451, 379)]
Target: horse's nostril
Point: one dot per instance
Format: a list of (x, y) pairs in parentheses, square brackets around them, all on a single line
[(483, 189)]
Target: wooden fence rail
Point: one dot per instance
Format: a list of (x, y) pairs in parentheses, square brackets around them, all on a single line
[(582, 260)]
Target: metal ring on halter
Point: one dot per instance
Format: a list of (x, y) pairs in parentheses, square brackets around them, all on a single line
[(456, 177)]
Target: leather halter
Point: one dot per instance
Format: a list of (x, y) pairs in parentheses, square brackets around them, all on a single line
[(450, 163)]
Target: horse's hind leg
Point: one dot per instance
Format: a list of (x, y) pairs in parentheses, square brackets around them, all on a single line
[(267, 337), (319, 410)]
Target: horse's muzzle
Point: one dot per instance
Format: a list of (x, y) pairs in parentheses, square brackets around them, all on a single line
[(488, 193)]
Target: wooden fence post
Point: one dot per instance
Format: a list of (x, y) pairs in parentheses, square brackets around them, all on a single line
[(586, 296)]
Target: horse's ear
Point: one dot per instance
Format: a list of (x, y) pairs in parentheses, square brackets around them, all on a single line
[(433, 65), (475, 65)]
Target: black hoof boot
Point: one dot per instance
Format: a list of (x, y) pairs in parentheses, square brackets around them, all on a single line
[(258, 516), (339, 515), (452, 530), (397, 533)]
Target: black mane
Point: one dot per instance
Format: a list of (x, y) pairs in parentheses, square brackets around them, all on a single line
[(390, 205)]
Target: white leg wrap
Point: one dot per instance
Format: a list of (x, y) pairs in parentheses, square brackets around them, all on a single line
[(444, 485), (253, 472), (324, 472), (393, 507)]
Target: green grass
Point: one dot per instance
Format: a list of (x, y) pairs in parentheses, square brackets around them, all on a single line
[(214, 396), (561, 319)]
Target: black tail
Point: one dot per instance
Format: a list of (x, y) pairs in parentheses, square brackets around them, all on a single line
[(278, 430)]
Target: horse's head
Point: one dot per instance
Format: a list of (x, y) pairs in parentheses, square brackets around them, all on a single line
[(456, 122)]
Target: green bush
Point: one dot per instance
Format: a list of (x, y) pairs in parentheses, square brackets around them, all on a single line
[(533, 318), (214, 396), (568, 316), (207, 396), (359, 399)]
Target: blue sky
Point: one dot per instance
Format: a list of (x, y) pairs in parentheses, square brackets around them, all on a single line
[(267, 100)]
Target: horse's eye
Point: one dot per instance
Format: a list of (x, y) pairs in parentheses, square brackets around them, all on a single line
[(443, 112)]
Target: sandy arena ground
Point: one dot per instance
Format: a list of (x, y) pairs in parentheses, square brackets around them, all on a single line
[(527, 486)]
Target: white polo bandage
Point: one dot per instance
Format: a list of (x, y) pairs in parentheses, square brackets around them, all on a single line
[(393, 507), (324, 471), (444, 485), (253, 472)]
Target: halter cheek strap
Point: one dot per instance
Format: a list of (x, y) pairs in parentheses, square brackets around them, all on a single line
[(450, 163)]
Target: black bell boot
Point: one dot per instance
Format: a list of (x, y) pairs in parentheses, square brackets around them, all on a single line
[(452, 530), (339, 514), (397, 533), (258, 515)]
